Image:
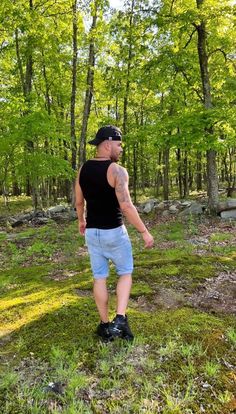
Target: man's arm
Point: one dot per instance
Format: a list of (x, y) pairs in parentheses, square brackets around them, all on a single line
[(80, 206), (121, 180)]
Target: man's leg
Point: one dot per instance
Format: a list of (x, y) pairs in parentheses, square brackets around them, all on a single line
[(123, 291), (101, 298), (119, 327)]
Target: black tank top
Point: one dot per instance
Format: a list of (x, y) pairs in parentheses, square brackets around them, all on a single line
[(103, 210)]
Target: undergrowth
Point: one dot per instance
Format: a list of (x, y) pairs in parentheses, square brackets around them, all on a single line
[(182, 360)]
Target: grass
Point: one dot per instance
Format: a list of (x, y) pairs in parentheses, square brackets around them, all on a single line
[(15, 205), (182, 360)]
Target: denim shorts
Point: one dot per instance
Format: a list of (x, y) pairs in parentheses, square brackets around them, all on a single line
[(104, 245)]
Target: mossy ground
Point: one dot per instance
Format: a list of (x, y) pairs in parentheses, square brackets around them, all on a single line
[(183, 358)]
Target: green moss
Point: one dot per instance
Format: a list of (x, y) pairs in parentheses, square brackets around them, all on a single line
[(174, 269), (3, 236), (15, 205), (219, 237), (168, 270), (49, 317), (140, 288)]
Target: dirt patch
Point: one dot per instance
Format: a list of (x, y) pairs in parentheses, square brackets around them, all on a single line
[(217, 294), (82, 251), (214, 225), (60, 257), (81, 292), (162, 299), (167, 245), (62, 274)]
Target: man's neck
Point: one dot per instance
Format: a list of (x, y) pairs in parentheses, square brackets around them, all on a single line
[(101, 157)]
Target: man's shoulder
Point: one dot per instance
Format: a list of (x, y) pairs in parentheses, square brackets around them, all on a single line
[(118, 174), (117, 169)]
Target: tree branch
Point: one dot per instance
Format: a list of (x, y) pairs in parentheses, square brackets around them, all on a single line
[(218, 50), (189, 83), (190, 38)]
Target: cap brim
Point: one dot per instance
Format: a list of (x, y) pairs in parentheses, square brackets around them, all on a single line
[(94, 141), (97, 141)]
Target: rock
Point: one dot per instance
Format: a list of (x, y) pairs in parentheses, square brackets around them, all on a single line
[(221, 206), (22, 219), (185, 203), (198, 241), (160, 206), (228, 214), (39, 213), (226, 205), (206, 385), (15, 222), (56, 209), (197, 208), (194, 209), (231, 203), (173, 209), (72, 214), (148, 208), (25, 217), (60, 218), (40, 221), (56, 387), (165, 213)]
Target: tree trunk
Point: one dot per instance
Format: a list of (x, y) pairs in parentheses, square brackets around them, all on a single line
[(89, 88), (47, 92), (73, 88), (199, 171), (186, 176), (135, 173), (190, 175), (71, 194), (178, 157), (212, 175), (127, 86), (158, 175), (213, 182), (16, 191), (26, 83), (166, 156), (67, 183)]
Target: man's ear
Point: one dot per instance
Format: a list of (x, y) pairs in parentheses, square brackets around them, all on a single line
[(107, 145)]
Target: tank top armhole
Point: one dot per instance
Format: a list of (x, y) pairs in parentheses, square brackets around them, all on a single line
[(112, 162)]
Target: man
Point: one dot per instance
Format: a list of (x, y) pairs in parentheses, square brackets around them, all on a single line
[(103, 184)]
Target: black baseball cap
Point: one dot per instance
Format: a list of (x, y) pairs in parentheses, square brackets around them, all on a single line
[(109, 132)]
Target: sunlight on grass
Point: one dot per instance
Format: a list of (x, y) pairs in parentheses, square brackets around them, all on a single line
[(19, 312), (15, 205), (180, 356)]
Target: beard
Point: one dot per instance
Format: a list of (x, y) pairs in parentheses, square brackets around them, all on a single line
[(114, 158)]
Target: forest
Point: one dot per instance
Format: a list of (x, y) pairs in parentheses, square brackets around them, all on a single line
[(162, 71)]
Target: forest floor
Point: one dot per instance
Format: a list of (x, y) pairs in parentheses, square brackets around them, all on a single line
[(182, 312)]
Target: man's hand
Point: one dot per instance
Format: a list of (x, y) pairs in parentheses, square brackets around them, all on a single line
[(82, 227), (148, 239)]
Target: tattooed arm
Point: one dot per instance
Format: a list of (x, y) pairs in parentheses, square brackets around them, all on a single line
[(121, 182)]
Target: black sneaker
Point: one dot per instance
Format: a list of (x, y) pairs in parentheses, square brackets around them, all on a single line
[(119, 328), (104, 332)]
